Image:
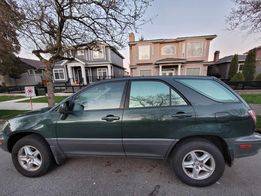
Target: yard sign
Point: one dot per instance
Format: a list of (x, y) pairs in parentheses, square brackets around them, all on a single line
[(30, 92)]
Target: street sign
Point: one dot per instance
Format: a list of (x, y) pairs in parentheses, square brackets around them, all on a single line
[(29, 91)]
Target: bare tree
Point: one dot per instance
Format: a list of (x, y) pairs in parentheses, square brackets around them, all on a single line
[(246, 16), (54, 25)]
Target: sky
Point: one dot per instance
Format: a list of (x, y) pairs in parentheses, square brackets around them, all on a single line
[(178, 18)]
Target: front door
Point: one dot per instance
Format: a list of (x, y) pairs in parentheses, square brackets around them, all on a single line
[(95, 129), (154, 116), (169, 72)]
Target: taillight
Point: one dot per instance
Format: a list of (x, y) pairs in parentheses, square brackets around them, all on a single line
[(252, 114)]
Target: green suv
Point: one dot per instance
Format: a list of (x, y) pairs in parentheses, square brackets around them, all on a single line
[(198, 124)]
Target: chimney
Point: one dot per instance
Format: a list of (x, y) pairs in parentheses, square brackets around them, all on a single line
[(131, 37), (216, 56)]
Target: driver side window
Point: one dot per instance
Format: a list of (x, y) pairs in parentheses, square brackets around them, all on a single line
[(102, 96)]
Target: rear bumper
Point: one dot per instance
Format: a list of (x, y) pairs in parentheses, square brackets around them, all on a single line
[(244, 146)]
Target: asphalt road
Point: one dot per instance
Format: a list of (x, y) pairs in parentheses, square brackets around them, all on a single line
[(121, 176)]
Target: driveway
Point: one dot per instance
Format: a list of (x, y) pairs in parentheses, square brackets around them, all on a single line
[(120, 176)]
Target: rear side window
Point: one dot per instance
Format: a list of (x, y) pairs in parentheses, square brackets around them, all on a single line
[(210, 88), (153, 94)]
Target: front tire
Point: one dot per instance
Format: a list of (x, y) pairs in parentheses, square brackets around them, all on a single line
[(31, 156), (198, 162)]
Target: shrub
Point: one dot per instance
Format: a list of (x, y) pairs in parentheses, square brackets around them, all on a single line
[(258, 77), (237, 77), (249, 67), (233, 66)]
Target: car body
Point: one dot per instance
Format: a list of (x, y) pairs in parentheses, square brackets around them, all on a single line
[(150, 117)]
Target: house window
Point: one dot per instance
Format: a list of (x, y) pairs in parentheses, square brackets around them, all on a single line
[(144, 52), (145, 72), (80, 52), (98, 53), (70, 53), (168, 50), (39, 71), (102, 73), (59, 74), (193, 71), (195, 49), (240, 67), (31, 72)]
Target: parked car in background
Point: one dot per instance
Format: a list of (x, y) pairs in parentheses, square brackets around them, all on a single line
[(197, 123)]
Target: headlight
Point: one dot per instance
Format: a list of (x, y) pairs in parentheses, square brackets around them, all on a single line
[(4, 126)]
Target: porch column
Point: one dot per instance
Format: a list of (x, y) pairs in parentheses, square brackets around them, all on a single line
[(90, 74), (160, 70), (84, 74), (109, 71), (179, 69), (70, 75)]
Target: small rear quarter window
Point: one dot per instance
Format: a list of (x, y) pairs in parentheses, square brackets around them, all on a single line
[(210, 88)]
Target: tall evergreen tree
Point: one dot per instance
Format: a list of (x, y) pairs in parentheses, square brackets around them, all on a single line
[(249, 66), (10, 21), (233, 67)]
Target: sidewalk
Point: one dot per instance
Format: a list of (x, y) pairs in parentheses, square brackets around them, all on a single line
[(15, 105), (257, 108)]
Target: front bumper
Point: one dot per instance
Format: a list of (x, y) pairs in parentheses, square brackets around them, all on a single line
[(3, 144), (245, 146)]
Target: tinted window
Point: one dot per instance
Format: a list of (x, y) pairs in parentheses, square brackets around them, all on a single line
[(102, 96), (153, 94), (210, 88)]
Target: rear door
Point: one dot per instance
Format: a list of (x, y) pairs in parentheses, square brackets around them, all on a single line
[(155, 114)]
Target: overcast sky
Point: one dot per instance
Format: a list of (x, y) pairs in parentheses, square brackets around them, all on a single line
[(175, 18)]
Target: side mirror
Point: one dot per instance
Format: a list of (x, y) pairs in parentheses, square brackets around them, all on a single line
[(78, 107), (64, 108)]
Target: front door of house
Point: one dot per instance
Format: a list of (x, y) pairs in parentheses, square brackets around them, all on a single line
[(170, 72)]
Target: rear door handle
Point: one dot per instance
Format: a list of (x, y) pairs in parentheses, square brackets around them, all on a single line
[(181, 115), (110, 118)]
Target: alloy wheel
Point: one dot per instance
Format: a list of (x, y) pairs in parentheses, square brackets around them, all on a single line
[(29, 158), (198, 164)]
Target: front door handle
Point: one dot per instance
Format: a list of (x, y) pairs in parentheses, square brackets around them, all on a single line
[(181, 115), (110, 118)]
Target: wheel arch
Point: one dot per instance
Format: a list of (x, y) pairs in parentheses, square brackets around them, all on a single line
[(57, 153), (216, 140), (19, 135)]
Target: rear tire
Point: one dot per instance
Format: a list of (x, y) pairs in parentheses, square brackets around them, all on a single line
[(32, 156), (197, 162)]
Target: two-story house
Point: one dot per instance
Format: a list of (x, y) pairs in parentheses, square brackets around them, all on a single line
[(89, 64), (179, 56)]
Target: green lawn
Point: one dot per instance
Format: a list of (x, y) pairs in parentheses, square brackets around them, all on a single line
[(252, 98), (7, 98), (44, 99), (6, 114)]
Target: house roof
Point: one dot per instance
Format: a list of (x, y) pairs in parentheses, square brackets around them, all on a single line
[(228, 59), (178, 39), (33, 63), (85, 45), (169, 60)]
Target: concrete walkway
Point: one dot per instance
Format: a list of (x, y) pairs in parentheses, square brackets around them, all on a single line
[(17, 105), (257, 108)]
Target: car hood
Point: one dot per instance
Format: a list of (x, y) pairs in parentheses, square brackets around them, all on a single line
[(29, 120), (40, 111)]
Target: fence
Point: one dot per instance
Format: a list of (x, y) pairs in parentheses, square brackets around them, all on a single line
[(68, 88), (244, 85), (58, 87)]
